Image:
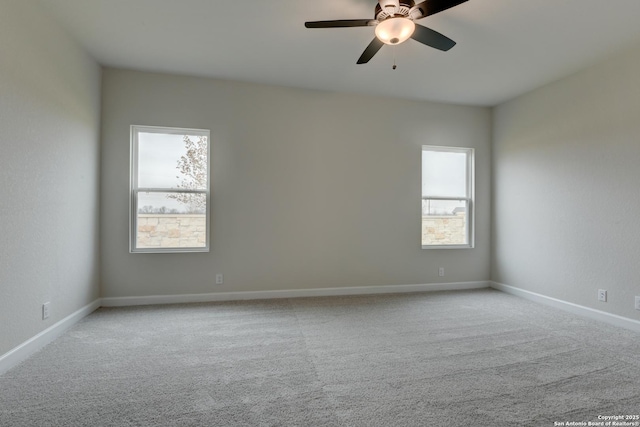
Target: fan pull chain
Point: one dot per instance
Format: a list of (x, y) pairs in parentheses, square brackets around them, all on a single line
[(394, 59)]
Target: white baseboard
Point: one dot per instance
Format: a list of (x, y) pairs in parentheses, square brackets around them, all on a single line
[(612, 319), (32, 345), (293, 293)]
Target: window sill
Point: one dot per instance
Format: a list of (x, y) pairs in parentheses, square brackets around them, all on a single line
[(169, 250), (447, 246)]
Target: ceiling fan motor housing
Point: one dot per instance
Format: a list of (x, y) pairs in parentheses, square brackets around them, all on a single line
[(394, 8)]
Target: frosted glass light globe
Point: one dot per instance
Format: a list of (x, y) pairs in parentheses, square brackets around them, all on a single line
[(395, 30)]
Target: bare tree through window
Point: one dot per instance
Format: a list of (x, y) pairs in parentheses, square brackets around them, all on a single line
[(193, 168)]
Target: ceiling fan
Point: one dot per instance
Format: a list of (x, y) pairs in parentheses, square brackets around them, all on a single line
[(394, 22)]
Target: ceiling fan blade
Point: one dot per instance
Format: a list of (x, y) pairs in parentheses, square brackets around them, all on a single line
[(431, 7), (340, 23), (370, 51), (432, 38)]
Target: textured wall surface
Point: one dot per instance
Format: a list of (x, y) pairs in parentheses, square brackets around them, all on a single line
[(49, 163), (566, 161), (309, 189), (444, 230), (171, 231)]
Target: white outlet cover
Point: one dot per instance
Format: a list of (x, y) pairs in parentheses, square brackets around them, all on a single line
[(602, 295), (46, 310), (637, 303)]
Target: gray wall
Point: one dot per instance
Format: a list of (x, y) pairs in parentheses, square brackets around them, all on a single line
[(49, 164), (310, 189), (566, 161)]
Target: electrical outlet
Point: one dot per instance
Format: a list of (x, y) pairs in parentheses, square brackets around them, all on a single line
[(602, 295), (637, 303), (46, 310), (441, 272), (219, 279)]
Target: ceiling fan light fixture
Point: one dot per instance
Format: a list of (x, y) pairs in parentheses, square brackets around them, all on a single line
[(395, 30)]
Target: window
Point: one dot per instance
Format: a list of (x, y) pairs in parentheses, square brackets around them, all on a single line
[(447, 197), (169, 190)]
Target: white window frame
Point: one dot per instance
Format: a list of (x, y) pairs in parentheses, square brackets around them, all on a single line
[(135, 189), (470, 199)]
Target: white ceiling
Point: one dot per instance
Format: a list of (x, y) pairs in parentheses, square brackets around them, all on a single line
[(505, 47)]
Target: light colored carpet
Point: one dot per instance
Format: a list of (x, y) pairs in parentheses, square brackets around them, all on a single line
[(472, 358)]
